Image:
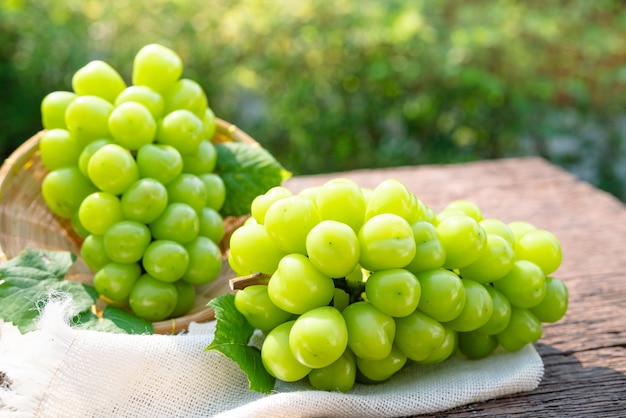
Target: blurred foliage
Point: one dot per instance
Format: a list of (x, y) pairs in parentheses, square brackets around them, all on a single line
[(332, 85)]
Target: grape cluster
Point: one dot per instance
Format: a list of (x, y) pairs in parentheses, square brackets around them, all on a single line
[(358, 282), (132, 166)]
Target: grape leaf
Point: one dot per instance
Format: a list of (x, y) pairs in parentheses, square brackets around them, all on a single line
[(247, 171), (126, 321), (114, 320), (30, 280), (35, 277), (232, 334)]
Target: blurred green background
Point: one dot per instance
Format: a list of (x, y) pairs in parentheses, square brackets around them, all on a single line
[(332, 85)]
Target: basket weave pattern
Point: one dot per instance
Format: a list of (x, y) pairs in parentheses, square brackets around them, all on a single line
[(26, 222)]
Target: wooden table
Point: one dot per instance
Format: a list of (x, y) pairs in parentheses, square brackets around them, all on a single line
[(584, 353)]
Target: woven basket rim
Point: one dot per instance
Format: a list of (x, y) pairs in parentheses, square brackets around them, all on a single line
[(25, 155)]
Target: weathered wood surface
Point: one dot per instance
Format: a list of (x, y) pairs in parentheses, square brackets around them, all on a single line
[(585, 353)]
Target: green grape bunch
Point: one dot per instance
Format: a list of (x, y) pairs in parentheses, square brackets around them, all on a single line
[(355, 283), (132, 167)]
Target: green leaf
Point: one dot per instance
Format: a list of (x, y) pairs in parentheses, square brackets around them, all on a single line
[(127, 321), (114, 320), (32, 279), (247, 171), (35, 277), (36, 265), (232, 334)]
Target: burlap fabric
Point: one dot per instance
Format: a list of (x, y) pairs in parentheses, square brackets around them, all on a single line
[(59, 372)]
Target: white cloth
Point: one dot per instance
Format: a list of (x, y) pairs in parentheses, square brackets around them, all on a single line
[(58, 372)]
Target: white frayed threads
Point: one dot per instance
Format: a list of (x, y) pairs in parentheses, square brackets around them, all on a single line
[(56, 313), (29, 361)]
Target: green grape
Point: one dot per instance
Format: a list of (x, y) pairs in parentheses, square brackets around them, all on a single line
[(178, 222), (524, 328), (494, 226), (357, 276), (98, 211), (205, 261), (131, 125), (391, 196), (53, 107), (501, 313), (87, 118), (189, 189), (310, 193), (180, 129), (554, 305), (250, 221), (288, 222), (93, 253), (318, 337), (211, 224), (144, 201), (152, 299), (341, 300), (338, 376), (341, 200), (494, 261), (262, 202), (165, 260), (524, 286), (462, 238), (542, 248), (58, 149), (386, 242), (252, 250), (477, 310), (188, 95), (519, 229), (367, 194), (201, 160), (216, 190), (370, 331), (87, 152), (210, 124), (160, 162), (447, 348), (444, 214), (126, 241), (429, 214), (476, 345), (144, 95), (295, 273), (429, 252), (467, 207), (64, 189), (277, 357), (395, 292), (254, 303), (375, 371), (115, 280), (442, 294), (77, 226), (418, 336), (98, 78), (186, 298), (157, 67), (333, 248), (112, 169)]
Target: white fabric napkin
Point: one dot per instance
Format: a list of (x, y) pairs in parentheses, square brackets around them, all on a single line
[(58, 372)]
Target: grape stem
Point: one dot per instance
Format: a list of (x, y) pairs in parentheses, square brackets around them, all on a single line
[(238, 283)]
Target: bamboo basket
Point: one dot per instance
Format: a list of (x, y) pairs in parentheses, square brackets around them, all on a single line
[(26, 222)]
